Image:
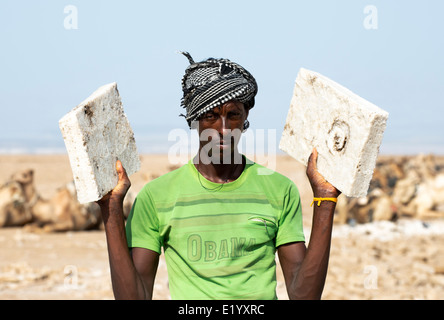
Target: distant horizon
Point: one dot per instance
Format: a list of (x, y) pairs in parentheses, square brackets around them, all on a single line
[(158, 144)]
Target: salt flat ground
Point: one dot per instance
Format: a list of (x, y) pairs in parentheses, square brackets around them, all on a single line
[(381, 260)]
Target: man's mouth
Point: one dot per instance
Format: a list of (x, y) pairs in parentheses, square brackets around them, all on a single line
[(223, 144)]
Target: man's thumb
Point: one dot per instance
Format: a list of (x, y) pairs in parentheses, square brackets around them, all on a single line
[(120, 169)]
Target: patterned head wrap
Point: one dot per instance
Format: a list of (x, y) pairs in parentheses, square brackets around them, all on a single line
[(213, 82)]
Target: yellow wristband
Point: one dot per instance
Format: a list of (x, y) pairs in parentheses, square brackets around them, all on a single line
[(319, 200)]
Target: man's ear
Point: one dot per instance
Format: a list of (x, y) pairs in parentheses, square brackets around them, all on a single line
[(246, 123), (246, 112)]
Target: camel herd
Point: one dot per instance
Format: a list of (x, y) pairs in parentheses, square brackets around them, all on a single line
[(21, 205), (400, 187), (404, 186)]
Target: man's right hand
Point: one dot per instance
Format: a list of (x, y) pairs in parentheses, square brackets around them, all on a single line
[(120, 190)]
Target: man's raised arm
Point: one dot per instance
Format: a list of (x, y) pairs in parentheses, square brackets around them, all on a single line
[(305, 270), (132, 273)]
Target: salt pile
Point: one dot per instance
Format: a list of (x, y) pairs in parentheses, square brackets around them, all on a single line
[(387, 230)]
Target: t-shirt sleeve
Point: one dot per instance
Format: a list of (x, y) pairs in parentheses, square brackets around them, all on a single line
[(142, 226), (290, 227)]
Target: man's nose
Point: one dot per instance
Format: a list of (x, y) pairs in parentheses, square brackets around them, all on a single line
[(223, 127)]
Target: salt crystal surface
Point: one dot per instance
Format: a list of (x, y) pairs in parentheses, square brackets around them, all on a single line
[(345, 129), (97, 133)]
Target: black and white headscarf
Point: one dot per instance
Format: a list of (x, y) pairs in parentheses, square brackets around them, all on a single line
[(213, 82)]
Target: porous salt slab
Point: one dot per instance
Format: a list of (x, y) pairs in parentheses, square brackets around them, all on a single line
[(97, 133), (345, 129)]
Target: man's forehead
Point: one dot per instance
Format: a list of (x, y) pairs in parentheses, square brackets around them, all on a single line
[(230, 105)]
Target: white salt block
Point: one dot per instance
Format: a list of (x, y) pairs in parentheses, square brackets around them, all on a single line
[(97, 133), (345, 129)]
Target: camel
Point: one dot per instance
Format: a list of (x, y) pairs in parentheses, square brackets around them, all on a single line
[(376, 206), (386, 175), (13, 208), (426, 201), (412, 187), (60, 213)]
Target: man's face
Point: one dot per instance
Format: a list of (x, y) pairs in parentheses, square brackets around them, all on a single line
[(220, 130)]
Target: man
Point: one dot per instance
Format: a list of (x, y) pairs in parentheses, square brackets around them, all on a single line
[(220, 217)]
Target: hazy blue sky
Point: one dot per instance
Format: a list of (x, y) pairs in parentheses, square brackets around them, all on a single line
[(46, 68)]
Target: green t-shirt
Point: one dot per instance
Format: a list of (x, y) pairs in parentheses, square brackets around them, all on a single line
[(219, 240)]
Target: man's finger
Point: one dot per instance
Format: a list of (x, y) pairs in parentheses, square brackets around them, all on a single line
[(124, 182), (312, 160), (121, 170), (315, 156), (119, 166)]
